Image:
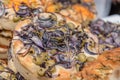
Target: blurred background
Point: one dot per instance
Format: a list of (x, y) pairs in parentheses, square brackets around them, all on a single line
[(106, 8)]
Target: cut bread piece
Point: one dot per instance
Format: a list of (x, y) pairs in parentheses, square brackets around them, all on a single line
[(104, 68)]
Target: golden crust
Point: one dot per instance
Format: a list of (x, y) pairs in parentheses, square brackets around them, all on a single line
[(102, 67)]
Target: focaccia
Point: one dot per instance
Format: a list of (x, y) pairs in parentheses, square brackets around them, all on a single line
[(51, 47)]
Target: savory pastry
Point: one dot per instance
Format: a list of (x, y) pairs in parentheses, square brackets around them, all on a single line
[(51, 47), (106, 67), (77, 10), (108, 34)]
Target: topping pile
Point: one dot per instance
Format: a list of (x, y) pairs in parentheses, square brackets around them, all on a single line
[(108, 34), (52, 42)]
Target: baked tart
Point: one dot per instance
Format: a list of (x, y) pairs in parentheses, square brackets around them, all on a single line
[(51, 47)]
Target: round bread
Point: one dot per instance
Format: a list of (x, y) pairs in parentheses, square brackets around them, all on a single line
[(79, 11), (49, 47)]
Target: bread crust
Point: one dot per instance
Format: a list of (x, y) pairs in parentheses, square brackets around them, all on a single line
[(103, 67)]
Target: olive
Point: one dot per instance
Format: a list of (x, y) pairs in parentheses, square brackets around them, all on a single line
[(71, 26), (53, 69), (16, 19), (41, 71), (47, 57), (89, 59), (50, 62), (53, 51), (1, 68), (81, 57), (37, 60), (40, 58), (13, 77)]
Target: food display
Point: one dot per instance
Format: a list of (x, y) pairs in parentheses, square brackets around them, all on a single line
[(57, 40)]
